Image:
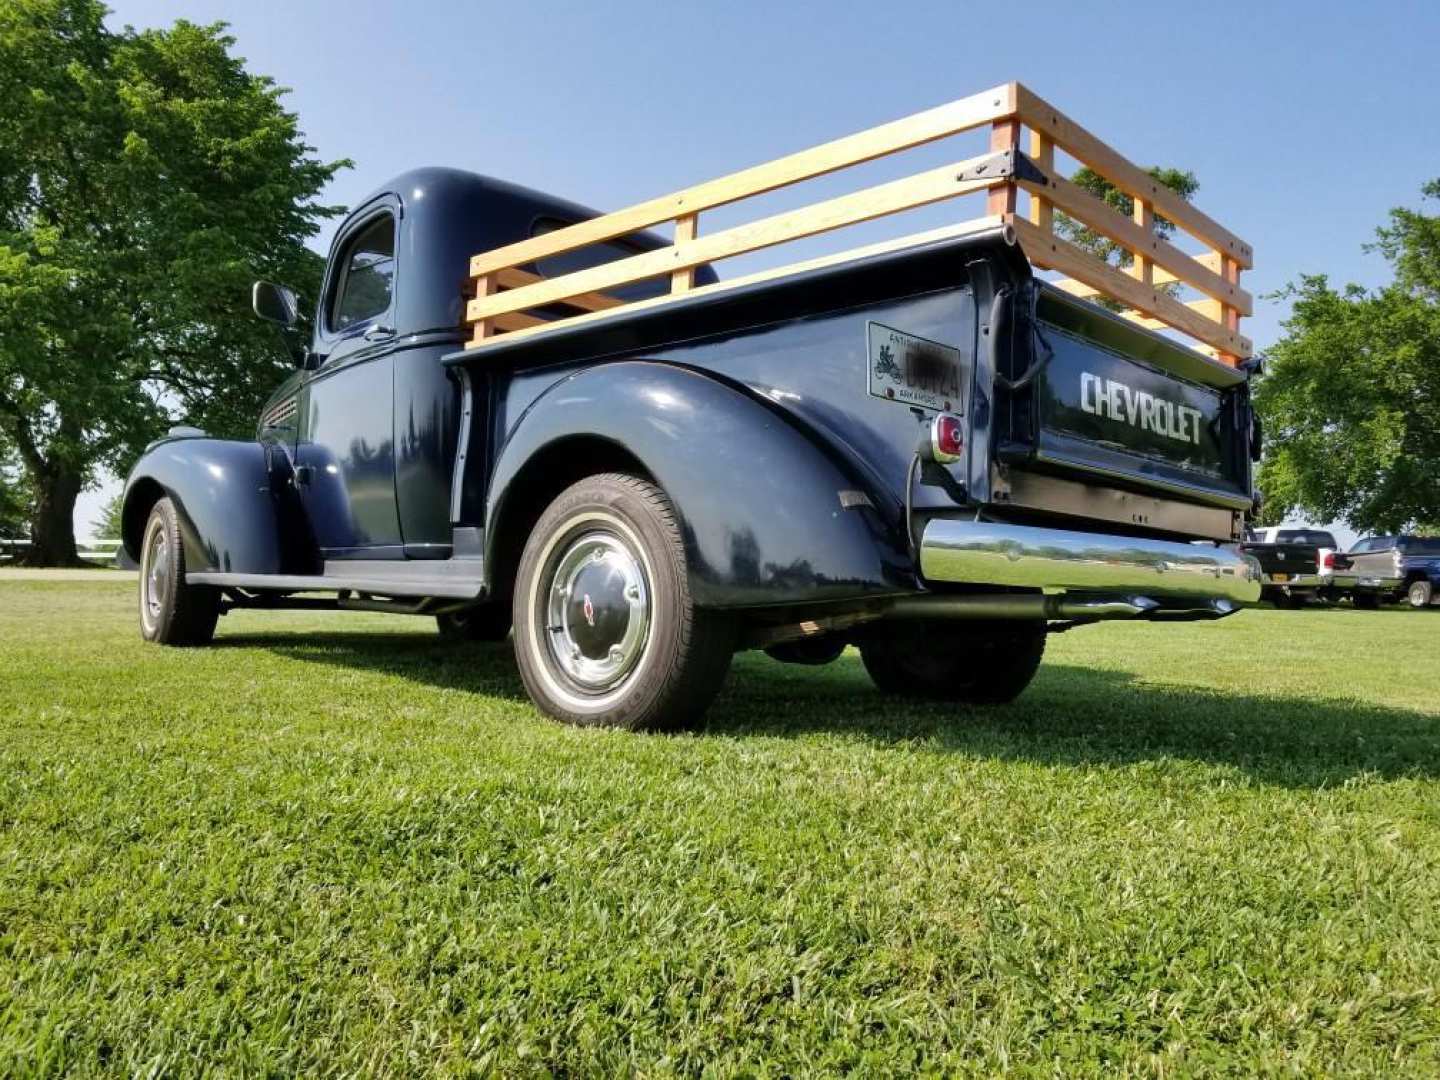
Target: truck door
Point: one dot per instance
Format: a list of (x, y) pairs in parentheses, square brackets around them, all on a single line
[(345, 445)]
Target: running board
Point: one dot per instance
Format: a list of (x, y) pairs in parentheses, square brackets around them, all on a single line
[(453, 579)]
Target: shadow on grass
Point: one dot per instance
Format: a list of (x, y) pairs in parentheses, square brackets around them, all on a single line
[(1070, 715), (1077, 715), (477, 668)]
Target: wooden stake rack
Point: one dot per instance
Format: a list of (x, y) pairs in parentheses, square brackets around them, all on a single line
[(511, 300)]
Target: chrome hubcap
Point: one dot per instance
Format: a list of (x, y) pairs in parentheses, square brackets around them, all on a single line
[(1417, 595), (157, 574), (597, 611)]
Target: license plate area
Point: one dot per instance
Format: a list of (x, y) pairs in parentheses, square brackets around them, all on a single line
[(914, 371)]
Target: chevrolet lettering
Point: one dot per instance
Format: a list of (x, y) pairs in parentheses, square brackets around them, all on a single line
[(1112, 398)]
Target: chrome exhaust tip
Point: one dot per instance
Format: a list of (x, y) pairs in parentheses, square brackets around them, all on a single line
[(1058, 607)]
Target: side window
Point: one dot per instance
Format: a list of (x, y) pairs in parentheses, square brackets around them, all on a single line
[(1362, 547), (366, 279)]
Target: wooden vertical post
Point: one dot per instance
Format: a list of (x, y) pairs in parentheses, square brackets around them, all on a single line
[(1042, 152), (1229, 316), (1004, 135), (484, 328), (1142, 268), (686, 227)]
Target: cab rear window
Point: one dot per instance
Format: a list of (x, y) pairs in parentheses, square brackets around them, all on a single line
[(568, 262), (1305, 536)]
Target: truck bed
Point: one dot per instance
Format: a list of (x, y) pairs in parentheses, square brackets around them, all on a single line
[(1095, 405), (796, 343)]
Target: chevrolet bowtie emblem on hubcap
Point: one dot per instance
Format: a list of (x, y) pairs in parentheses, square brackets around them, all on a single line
[(589, 610)]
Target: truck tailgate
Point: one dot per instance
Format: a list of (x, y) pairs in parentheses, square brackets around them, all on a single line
[(1114, 402), (1281, 561)]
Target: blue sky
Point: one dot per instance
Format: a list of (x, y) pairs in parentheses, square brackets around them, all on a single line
[(1304, 122)]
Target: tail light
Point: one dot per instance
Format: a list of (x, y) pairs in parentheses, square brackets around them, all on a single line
[(1327, 560), (947, 438)]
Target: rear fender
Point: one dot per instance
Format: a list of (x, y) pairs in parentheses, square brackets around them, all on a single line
[(767, 516), (235, 501)]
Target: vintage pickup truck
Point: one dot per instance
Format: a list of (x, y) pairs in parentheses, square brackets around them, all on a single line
[(511, 411)]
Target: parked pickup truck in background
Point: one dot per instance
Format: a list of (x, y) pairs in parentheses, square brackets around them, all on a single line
[(1394, 568), (918, 447), (1299, 565)]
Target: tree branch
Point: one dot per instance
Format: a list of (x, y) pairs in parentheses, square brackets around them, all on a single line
[(19, 429)]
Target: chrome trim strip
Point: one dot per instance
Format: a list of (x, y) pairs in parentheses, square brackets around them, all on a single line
[(990, 553)]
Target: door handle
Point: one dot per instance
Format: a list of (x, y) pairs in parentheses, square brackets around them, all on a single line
[(304, 474), (379, 332)]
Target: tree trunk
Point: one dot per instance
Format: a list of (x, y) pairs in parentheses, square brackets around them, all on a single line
[(52, 522)]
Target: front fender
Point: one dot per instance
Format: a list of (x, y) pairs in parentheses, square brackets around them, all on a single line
[(767, 516), (230, 498)]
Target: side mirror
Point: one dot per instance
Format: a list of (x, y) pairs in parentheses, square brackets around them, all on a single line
[(275, 303)]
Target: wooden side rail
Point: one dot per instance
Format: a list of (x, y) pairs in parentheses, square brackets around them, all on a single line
[(1215, 272), (508, 299)]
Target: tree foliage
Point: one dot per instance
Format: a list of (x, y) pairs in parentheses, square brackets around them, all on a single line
[(108, 525), (1351, 393), (1179, 181), (146, 178)]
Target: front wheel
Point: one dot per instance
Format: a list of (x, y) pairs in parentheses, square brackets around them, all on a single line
[(978, 663), (172, 612), (1419, 594), (606, 631)]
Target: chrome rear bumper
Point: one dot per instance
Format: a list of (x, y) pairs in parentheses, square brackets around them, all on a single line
[(986, 553)]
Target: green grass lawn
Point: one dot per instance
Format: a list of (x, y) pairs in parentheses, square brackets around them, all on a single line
[(332, 844)]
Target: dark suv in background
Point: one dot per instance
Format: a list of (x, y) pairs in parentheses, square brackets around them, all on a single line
[(1395, 568)]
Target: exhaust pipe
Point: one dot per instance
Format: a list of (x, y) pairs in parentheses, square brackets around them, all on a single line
[(1020, 606)]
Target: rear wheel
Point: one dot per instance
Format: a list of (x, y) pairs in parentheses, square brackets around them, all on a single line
[(606, 632), (980, 663), (172, 612), (1419, 594)]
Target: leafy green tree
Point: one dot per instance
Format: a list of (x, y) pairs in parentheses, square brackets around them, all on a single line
[(107, 525), (145, 179), (1351, 394)]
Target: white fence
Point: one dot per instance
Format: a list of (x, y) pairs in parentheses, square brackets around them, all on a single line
[(101, 552)]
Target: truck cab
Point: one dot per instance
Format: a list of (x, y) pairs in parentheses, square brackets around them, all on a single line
[(525, 419)]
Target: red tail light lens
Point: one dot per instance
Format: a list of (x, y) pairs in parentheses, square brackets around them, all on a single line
[(1327, 560), (947, 438)]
